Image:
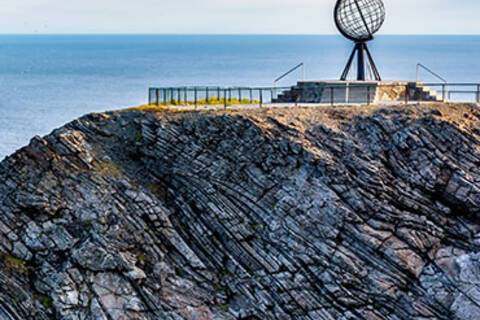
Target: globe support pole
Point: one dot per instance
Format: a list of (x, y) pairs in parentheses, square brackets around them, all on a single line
[(376, 74), (346, 71), (360, 61), (363, 57)]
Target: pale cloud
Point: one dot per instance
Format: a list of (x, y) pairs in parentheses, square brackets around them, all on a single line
[(226, 16)]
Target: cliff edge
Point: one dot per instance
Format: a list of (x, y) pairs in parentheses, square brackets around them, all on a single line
[(295, 213)]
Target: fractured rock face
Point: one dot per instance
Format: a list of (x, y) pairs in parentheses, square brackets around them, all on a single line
[(338, 213)]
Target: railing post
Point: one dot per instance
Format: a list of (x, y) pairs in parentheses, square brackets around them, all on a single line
[(261, 97), (164, 96), (331, 96), (347, 93), (225, 99), (218, 93), (185, 96), (368, 95), (207, 98), (478, 93), (251, 96), (152, 93), (240, 95), (407, 93), (443, 93), (195, 93)]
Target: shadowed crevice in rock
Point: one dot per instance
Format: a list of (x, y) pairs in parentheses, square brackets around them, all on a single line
[(344, 213)]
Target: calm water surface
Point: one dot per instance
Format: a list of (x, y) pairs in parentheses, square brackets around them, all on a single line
[(46, 81)]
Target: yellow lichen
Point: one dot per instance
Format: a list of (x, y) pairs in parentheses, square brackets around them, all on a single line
[(108, 168)]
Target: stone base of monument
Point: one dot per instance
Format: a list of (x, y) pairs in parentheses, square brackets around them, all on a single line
[(357, 92)]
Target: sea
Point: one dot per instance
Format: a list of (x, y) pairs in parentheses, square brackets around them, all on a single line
[(46, 81)]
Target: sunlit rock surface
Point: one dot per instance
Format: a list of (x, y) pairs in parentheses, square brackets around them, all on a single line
[(343, 213)]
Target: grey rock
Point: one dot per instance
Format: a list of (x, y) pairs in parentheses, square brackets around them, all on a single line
[(289, 213)]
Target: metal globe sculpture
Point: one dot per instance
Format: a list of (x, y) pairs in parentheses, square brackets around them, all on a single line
[(359, 20)]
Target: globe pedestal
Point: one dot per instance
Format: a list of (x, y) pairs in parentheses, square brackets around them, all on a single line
[(364, 62), (356, 92)]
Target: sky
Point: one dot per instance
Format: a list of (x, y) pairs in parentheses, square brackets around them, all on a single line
[(226, 16)]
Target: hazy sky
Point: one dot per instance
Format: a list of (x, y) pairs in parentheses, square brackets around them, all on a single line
[(227, 16)]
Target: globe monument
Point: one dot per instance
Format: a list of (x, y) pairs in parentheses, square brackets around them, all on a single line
[(359, 20), (360, 82)]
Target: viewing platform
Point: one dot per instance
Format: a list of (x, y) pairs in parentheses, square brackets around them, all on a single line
[(358, 92), (310, 93)]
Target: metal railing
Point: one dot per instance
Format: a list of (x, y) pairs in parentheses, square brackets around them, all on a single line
[(457, 92), (433, 73), (300, 65), (321, 94), (213, 96)]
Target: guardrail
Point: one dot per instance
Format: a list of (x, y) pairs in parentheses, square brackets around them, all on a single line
[(457, 91), (298, 66), (214, 96), (433, 73), (323, 93)]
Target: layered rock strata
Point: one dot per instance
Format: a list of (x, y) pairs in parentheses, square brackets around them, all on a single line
[(321, 213)]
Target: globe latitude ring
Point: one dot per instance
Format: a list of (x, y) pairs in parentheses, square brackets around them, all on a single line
[(359, 20)]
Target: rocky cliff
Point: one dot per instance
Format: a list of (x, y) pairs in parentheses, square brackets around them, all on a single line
[(325, 213)]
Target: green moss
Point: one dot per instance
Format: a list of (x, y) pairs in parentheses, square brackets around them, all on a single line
[(138, 136), (14, 264), (223, 307), (87, 223), (158, 191), (141, 258), (256, 226), (45, 300), (180, 272)]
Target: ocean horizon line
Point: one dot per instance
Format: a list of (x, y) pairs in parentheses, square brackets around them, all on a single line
[(234, 34)]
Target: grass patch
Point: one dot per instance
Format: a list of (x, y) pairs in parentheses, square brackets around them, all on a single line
[(213, 101), (150, 107)]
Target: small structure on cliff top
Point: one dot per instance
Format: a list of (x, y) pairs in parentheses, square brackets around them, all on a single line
[(359, 20)]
